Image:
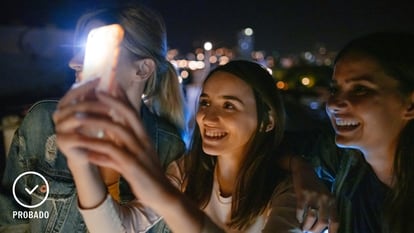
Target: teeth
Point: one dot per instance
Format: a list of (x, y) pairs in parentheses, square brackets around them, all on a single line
[(340, 122), (215, 134)]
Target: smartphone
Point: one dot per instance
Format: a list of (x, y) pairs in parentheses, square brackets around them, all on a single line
[(102, 51), (101, 56)]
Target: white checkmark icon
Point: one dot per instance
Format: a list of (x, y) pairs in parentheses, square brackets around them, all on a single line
[(31, 191)]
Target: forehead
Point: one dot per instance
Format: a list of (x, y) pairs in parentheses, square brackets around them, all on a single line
[(353, 68), (221, 81)]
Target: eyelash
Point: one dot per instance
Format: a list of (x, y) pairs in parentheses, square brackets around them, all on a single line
[(203, 103), (226, 105), (355, 90), (360, 90)]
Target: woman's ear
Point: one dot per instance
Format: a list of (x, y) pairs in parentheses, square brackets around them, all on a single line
[(270, 125), (409, 112), (144, 68)]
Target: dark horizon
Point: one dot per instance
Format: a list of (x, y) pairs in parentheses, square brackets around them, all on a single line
[(282, 27)]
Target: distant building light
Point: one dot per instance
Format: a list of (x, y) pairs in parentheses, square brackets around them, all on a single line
[(200, 56), (305, 81), (314, 105), (248, 31), (223, 60), (200, 65), (182, 63), (192, 65), (184, 74), (208, 46), (244, 45), (281, 85), (212, 59), (308, 56)]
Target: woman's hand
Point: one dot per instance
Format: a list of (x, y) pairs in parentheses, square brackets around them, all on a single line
[(80, 102), (67, 129), (126, 148), (316, 206), (121, 144)]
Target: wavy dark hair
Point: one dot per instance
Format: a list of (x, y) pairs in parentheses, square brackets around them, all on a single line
[(394, 52), (259, 174)]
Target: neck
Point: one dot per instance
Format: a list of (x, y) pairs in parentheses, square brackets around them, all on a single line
[(382, 163), (134, 95), (227, 171)]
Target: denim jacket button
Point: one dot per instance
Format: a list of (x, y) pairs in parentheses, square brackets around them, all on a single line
[(43, 188)]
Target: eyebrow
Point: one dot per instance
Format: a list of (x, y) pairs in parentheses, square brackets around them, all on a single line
[(227, 97), (364, 77)]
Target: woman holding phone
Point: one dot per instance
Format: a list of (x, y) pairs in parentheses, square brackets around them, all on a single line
[(229, 181), (150, 85)]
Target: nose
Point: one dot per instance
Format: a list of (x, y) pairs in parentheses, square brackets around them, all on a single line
[(208, 115), (336, 103), (76, 63)]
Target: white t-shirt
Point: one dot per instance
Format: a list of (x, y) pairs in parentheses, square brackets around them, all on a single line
[(111, 217)]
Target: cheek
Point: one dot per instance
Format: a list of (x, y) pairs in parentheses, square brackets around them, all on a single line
[(199, 118), (244, 127)]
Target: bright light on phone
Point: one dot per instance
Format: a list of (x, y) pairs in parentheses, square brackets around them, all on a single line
[(101, 55)]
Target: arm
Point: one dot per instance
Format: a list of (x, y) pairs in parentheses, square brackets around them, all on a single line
[(310, 175), (282, 216), (126, 149)]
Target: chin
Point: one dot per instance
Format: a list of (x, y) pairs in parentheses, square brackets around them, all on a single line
[(210, 150), (343, 142)]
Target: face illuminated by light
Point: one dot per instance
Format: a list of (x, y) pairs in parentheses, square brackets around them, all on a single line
[(227, 116), (366, 108), (125, 70)]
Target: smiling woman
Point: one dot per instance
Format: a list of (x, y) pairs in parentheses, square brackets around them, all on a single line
[(371, 109), (234, 148), (226, 103)]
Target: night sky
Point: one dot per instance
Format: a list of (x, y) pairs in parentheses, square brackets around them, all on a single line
[(284, 26)]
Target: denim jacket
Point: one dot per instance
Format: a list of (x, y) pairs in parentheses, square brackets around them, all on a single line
[(34, 149)]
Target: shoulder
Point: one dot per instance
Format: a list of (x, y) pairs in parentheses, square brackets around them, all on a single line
[(160, 129), (43, 107), (40, 113), (154, 122)]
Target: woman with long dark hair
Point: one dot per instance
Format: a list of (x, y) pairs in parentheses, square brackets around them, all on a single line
[(228, 182)]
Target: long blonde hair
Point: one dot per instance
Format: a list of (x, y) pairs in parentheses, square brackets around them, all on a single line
[(146, 37)]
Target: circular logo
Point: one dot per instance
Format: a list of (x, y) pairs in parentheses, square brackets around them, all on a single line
[(31, 190)]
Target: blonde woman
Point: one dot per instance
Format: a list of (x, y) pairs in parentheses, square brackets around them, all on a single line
[(151, 86)]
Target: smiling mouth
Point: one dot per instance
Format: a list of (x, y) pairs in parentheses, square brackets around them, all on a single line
[(346, 125), (214, 135)]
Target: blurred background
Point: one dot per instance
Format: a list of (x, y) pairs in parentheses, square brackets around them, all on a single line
[(296, 40)]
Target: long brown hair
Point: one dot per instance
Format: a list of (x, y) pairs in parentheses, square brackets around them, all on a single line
[(259, 174), (394, 52)]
